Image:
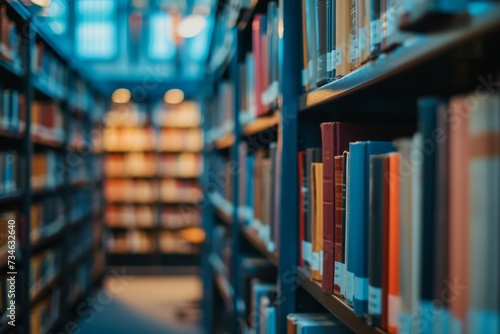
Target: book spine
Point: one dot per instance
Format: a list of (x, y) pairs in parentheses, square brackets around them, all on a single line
[(394, 247), (302, 195), (329, 32), (257, 51), (342, 41), (375, 240), (327, 134), (311, 42), (385, 240), (459, 212), (348, 258), (321, 50), (339, 210), (305, 48), (484, 179), (375, 29)]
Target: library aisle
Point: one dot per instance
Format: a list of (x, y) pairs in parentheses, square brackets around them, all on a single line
[(249, 166), (152, 305)]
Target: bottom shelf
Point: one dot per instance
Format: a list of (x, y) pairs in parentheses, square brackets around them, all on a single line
[(336, 306)]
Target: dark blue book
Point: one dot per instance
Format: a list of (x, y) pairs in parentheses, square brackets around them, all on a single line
[(359, 208)]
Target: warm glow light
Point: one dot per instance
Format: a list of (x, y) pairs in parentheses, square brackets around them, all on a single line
[(174, 96), (121, 95), (41, 3), (191, 26)]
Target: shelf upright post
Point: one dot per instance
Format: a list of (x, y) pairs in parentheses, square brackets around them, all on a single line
[(290, 60), (235, 167), (207, 213), (27, 41)]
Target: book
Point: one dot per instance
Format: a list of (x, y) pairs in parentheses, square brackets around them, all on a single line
[(259, 289), (312, 41), (394, 243), (306, 326), (317, 221), (342, 265), (302, 209), (376, 238), (342, 38), (375, 28), (484, 193), (339, 211), (313, 155), (358, 218), (321, 50), (305, 48), (364, 16), (459, 247)]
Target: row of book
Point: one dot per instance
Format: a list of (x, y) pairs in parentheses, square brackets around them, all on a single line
[(259, 189), (402, 229), (10, 46), (136, 241), (220, 119), (148, 165), (12, 110), (44, 267), (46, 170), (259, 75), (10, 167), (186, 114), (5, 227), (45, 313), (146, 216), (47, 218), (147, 139), (49, 68), (47, 121), (140, 191), (340, 36)]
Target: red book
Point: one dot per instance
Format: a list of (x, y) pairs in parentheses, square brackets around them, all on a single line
[(302, 222), (327, 134), (257, 29), (339, 187)]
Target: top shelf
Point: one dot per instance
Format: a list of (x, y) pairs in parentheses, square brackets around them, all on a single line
[(484, 18)]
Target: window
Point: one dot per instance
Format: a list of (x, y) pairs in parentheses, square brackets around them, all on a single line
[(161, 40), (96, 31)]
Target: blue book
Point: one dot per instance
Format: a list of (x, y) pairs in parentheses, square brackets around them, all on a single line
[(258, 291), (359, 208)]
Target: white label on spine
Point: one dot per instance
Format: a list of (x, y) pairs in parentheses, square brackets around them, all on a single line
[(315, 261), (393, 310), (362, 38), (337, 277), (350, 286), (304, 77), (310, 70), (342, 279), (333, 59), (321, 263), (307, 251), (338, 56), (361, 288), (374, 300), (376, 31)]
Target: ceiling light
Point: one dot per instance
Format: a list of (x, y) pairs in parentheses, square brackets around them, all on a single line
[(191, 26), (41, 3), (174, 96), (121, 95)]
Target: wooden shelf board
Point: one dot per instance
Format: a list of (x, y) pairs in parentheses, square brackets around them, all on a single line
[(261, 124), (336, 306), (255, 240)]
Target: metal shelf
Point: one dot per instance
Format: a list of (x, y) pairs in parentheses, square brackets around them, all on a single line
[(261, 124), (45, 291), (47, 242), (11, 197)]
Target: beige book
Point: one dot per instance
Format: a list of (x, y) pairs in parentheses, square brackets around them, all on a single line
[(342, 34)]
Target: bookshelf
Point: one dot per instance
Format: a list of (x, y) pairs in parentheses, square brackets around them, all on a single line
[(151, 184), (37, 131), (445, 61)]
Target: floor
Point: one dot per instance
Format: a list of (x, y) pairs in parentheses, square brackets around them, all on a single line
[(146, 305)]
